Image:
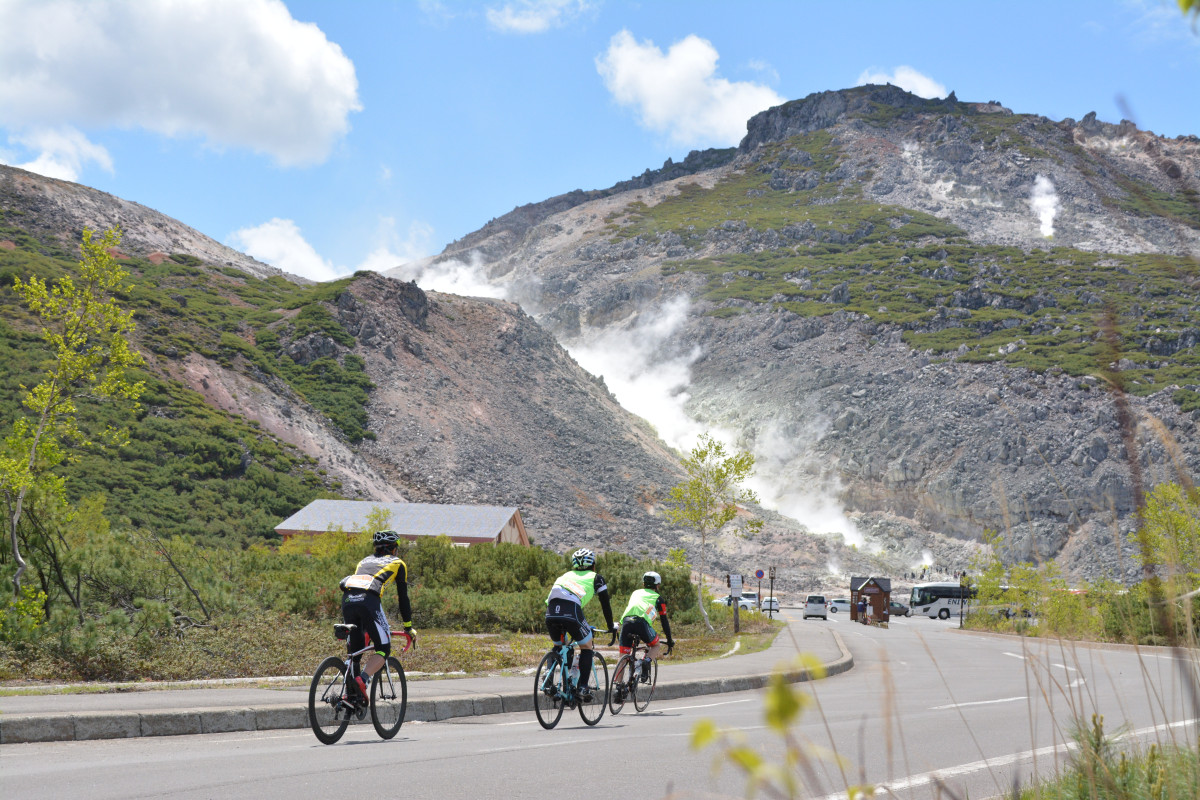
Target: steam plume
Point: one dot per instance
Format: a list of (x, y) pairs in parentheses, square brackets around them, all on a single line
[(1044, 202)]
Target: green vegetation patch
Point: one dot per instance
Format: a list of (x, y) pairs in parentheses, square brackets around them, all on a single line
[(188, 468), (819, 249)]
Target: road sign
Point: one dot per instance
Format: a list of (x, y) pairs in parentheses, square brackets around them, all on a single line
[(735, 586), (758, 573)]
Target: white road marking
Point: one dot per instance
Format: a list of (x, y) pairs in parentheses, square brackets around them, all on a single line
[(1064, 666), (736, 645), (710, 705), (979, 703), (926, 778), (1014, 655)]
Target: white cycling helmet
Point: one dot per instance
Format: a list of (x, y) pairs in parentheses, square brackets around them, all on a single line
[(652, 580), (583, 559)]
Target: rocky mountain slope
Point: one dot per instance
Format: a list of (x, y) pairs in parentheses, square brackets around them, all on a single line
[(466, 400), (914, 310)]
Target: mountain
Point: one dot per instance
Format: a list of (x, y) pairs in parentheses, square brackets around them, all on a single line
[(929, 314), (267, 391)]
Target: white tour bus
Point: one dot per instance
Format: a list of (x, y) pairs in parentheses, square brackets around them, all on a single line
[(938, 599)]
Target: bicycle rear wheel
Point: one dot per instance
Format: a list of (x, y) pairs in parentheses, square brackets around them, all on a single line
[(592, 710), (326, 713), (645, 689), (547, 691), (622, 686), (389, 698)]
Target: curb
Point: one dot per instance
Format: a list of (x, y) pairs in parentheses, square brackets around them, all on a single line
[(29, 728)]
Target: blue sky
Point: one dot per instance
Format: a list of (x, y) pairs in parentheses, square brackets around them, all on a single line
[(324, 137)]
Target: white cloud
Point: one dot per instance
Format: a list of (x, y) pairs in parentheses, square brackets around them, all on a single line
[(769, 72), (62, 152), (281, 244), (906, 78), (392, 249), (679, 93), (534, 16), (1157, 22), (240, 73)]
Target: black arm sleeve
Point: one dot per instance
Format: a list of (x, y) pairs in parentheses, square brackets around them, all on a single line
[(662, 611), (402, 594), (602, 593)]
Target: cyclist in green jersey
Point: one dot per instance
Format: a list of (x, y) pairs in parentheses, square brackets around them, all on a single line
[(644, 606), (564, 611)]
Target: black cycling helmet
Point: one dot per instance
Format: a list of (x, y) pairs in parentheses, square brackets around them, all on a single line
[(386, 538), (652, 580), (583, 559)]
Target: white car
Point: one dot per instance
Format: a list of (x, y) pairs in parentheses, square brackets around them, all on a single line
[(814, 606), (839, 604), (743, 603), (770, 604)]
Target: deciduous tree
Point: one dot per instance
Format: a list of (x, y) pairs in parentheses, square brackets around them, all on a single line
[(709, 499), (89, 337)]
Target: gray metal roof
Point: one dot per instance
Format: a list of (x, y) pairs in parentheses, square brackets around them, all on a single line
[(884, 583), (419, 519)]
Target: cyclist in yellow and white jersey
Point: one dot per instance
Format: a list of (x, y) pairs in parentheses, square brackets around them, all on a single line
[(363, 607), (564, 611)]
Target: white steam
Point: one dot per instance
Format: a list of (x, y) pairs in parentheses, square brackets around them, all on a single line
[(1044, 202), (785, 483), (466, 278), (646, 364), (649, 373), (642, 370)]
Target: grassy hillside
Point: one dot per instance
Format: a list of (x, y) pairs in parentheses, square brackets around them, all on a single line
[(190, 468), (821, 249)]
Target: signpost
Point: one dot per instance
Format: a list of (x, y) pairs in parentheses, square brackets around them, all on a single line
[(758, 573), (962, 603), (735, 600), (769, 612)]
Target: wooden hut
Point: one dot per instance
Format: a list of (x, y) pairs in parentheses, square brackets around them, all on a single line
[(876, 593)]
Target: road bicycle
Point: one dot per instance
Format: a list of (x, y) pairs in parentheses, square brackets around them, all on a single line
[(633, 681), (554, 688), (331, 704)]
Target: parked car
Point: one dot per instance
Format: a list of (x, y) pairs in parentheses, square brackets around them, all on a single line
[(898, 609), (839, 604), (814, 606), (752, 597), (727, 600), (770, 604)]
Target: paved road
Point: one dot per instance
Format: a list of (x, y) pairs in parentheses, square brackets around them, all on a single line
[(921, 698)]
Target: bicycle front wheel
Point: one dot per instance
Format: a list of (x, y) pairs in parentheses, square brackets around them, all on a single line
[(592, 710), (622, 686), (327, 714), (547, 691), (645, 689), (389, 698)]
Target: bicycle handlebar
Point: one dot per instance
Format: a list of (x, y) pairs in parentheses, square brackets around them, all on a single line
[(409, 641), (614, 631)]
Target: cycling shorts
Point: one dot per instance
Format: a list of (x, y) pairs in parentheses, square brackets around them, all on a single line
[(636, 626), (364, 610), (564, 617)]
